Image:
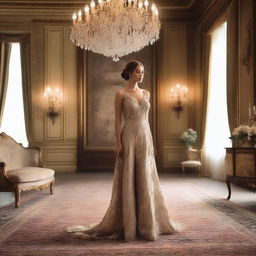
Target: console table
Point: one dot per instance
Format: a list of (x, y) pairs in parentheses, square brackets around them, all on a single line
[(240, 167)]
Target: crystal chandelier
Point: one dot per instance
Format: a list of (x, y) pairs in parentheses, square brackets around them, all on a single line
[(115, 28)]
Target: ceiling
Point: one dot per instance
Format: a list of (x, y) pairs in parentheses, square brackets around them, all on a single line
[(56, 10), (60, 4)]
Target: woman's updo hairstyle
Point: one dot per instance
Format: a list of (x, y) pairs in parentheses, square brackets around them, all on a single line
[(129, 68)]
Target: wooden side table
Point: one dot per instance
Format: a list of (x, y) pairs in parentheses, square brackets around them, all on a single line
[(241, 167)]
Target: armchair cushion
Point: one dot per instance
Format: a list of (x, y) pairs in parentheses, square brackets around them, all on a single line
[(29, 174), (20, 168), (191, 163)]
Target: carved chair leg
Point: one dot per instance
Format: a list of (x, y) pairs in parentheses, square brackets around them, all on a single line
[(183, 170), (229, 187), (17, 197), (51, 187)]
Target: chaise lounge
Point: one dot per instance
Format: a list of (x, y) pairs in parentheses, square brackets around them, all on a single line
[(21, 168)]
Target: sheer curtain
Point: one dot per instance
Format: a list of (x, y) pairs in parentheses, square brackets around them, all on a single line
[(217, 128), (13, 122)]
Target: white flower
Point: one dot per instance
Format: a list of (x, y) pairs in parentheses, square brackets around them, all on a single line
[(184, 135), (235, 131), (188, 137), (241, 129), (252, 131), (244, 128), (244, 132)]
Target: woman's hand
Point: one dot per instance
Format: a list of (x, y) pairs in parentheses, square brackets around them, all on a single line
[(119, 150)]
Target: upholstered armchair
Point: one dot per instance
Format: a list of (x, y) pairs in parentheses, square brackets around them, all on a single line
[(193, 160), (21, 168)]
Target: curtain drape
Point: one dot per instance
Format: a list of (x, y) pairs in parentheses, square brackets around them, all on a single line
[(14, 38), (223, 14), (230, 14), (217, 117), (26, 82), (5, 51), (232, 67), (205, 75), (24, 40), (218, 18)]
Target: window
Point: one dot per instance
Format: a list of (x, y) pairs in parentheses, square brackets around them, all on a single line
[(217, 128), (13, 121)]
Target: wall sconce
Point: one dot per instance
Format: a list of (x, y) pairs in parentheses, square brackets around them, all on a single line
[(178, 96), (52, 100)]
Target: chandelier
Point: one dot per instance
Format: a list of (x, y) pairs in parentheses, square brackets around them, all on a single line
[(115, 28)]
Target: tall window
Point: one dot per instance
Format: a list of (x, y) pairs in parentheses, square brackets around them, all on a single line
[(13, 122), (217, 128)]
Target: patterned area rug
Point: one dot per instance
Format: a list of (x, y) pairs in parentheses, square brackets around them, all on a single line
[(209, 225)]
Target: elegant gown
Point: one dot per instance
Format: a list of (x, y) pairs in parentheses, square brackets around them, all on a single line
[(137, 206)]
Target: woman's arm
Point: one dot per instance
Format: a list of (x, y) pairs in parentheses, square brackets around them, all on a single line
[(118, 114), (155, 152)]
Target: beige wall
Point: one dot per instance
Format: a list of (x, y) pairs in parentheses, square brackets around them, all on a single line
[(178, 60), (58, 68), (246, 19), (172, 69), (54, 64)]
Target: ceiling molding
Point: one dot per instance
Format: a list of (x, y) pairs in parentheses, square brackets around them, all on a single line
[(63, 4), (169, 10)]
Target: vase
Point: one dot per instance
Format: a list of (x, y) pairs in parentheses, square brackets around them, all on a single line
[(189, 147), (245, 143), (242, 143)]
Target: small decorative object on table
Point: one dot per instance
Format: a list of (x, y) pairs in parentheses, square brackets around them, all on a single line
[(188, 138), (244, 136)]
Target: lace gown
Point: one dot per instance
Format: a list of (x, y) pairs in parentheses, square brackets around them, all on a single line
[(137, 206)]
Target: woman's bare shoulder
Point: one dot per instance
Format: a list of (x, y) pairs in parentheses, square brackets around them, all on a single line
[(120, 93)]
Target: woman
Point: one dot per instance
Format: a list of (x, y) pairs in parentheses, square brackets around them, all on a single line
[(137, 206)]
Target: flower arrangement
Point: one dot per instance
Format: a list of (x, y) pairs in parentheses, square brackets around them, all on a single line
[(188, 137), (244, 134)]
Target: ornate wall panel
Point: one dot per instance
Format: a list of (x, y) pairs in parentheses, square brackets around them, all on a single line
[(101, 80), (54, 75), (246, 58), (57, 67), (172, 70), (37, 81), (70, 89), (54, 60)]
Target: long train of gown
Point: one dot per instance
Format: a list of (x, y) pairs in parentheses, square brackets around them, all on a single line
[(137, 206)]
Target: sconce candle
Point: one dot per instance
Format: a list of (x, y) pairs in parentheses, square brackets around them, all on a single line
[(178, 96), (52, 100)]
